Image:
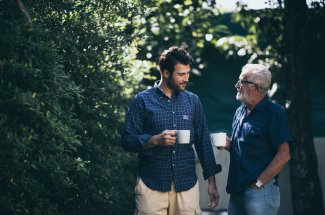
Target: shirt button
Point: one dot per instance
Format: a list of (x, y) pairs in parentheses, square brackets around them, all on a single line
[(168, 100), (173, 112), (174, 152), (173, 164), (174, 125)]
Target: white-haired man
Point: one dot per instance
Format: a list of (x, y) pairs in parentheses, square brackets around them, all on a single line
[(259, 146)]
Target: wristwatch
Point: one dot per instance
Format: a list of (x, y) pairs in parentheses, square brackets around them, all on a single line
[(258, 184)]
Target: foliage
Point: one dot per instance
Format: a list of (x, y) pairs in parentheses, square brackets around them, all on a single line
[(65, 79), (192, 24), (201, 27), (262, 43)]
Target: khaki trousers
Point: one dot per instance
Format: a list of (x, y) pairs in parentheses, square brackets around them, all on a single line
[(152, 202)]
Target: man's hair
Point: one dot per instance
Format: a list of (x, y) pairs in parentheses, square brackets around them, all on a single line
[(259, 74), (170, 57)]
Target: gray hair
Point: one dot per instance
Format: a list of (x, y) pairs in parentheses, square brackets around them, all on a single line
[(259, 74)]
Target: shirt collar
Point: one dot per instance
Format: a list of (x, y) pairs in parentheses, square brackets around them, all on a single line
[(262, 104), (158, 90)]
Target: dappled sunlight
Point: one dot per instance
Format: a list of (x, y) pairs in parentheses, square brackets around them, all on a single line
[(273, 89)]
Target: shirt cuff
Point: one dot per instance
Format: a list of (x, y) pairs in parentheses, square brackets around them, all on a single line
[(211, 172), (144, 139)]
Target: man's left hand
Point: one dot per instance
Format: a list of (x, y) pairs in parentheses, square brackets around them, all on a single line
[(213, 193)]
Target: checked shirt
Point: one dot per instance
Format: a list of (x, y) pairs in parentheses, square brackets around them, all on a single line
[(150, 113)]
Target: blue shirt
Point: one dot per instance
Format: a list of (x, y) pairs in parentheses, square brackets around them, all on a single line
[(150, 113), (254, 142)]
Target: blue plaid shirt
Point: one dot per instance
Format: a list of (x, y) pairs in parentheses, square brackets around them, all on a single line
[(150, 113)]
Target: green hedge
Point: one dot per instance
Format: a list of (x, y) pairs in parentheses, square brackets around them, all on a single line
[(62, 99)]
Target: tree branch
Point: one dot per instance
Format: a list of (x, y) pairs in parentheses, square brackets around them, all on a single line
[(24, 10)]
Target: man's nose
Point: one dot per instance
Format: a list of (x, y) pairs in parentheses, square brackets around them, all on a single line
[(187, 76)]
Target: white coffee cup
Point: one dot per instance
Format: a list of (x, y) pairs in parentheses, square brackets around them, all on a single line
[(183, 136), (218, 139)]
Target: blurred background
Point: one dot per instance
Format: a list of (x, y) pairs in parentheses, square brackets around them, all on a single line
[(68, 70)]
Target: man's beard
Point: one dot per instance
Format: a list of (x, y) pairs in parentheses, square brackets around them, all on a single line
[(244, 98), (239, 96), (171, 85)]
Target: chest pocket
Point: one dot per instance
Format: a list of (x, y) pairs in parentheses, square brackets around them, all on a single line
[(184, 121), (254, 141), (251, 131), (156, 118)]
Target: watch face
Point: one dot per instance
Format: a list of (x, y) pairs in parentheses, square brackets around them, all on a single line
[(259, 184)]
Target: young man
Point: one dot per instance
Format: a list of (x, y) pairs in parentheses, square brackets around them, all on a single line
[(167, 182), (259, 146)]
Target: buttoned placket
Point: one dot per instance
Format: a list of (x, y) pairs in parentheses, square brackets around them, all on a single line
[(174, 122), (239, 129)]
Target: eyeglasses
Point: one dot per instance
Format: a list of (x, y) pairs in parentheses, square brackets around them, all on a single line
[(241, 82)]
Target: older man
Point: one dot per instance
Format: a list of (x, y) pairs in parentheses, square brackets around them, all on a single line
[(259, 146)]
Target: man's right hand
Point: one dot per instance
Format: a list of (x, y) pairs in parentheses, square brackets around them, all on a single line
[(165, 138), (227, 146)]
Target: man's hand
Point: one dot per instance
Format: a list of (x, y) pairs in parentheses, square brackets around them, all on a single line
[(165, 138), (213, 192)]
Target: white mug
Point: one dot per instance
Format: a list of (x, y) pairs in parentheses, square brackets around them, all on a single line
[(218, 139), (183, 136)]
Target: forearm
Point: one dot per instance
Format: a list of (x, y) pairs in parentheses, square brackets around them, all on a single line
[(213, 192), (153, 141), (165, 138), (276, 165), (135, 143), (208, 163), (212, 180), (206, 156)]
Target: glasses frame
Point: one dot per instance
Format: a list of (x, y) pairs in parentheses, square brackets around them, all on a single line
[(241, 82)]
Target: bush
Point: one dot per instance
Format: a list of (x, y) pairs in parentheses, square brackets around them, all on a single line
[(62, 99)]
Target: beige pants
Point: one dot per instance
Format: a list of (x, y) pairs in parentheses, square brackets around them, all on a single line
[(151, 202)]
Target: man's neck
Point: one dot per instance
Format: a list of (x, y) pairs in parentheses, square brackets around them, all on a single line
[(253, 103), (163, 86)]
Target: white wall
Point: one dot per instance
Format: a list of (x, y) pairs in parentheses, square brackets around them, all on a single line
[(320, 152), (222, 157)]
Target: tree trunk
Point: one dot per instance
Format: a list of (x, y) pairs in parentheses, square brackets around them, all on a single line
[(306, 190)]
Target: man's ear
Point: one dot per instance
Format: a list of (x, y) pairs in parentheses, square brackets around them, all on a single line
[(166, 73)]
